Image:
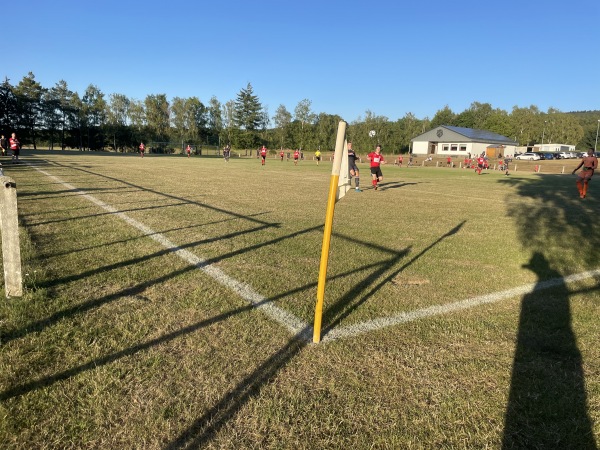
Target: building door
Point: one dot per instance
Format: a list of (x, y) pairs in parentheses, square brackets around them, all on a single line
[(432, 148)]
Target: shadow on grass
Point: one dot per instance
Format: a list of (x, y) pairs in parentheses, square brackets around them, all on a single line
[(81, 308), (361, 292), (160, 193), (394, 185), (136, 238), (203, 429), (547, 405)]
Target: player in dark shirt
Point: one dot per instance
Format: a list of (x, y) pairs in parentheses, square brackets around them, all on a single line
[(354, 172)]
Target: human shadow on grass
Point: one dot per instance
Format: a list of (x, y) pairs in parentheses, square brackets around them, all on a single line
[(547, 404), (362, 291), (394, 185)]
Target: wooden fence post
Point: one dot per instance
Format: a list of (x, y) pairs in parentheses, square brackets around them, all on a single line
[(9, 225)]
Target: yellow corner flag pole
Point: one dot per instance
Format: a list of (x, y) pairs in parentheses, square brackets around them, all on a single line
[(331, 198)]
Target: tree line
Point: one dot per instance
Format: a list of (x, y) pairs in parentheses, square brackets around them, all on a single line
[(58, 118)]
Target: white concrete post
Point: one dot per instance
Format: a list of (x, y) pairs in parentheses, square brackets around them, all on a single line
[(9, 226)]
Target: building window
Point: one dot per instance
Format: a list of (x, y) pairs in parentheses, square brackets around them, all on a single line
[(453, 147), (463, 147), (445, 147)]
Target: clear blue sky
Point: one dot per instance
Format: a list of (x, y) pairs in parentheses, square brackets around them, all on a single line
[(345, 57)]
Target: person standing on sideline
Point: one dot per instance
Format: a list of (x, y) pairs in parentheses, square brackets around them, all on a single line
[(376, 159), (354, 172), (296, 156), (3, 145), (15, 148), (188, 150), (263, 155), (142, 149), (318, 156), (589, 163)]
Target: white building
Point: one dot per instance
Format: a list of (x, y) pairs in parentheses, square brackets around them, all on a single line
[(458, 141)]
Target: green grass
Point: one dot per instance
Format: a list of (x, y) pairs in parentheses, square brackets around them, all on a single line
[(119, 343)]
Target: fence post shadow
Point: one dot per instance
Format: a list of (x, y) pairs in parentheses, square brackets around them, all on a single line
[(547, 403)]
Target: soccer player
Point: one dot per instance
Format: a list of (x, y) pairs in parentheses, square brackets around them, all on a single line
[(15, 148), (142, 148), (354, 172), (376, 159), (263, 155), (449, 161), (589, 163), (400, 160), (188, 150), (227, 153), (296, 156), (281, 155), (480, 164), (318, 156)]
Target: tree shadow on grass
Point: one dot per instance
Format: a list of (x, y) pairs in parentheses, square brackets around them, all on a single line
[(547, 404)]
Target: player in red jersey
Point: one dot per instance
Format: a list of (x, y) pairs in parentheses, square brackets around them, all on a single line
[(142, 148), (188, 150), (281, 154), (15, 147), (263, 155), (296, 156), (376, 159), (400, 160), (480, 164), (589, 163)]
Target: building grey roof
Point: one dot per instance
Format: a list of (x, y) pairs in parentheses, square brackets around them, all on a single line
[(480, 135)]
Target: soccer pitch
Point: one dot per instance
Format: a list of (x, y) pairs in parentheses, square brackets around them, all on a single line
[(169, 304)]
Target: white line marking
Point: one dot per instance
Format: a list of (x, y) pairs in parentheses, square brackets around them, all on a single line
[(384, 322), (291, 322), (300, 328)]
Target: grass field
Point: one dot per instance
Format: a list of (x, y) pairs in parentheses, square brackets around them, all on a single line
[(169, 304)]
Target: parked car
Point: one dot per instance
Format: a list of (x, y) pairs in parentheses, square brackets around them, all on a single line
[(541, 155), (528, 156), (563, 155), (548, 156)]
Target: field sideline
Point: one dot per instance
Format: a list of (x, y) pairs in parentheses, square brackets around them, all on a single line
[(156, 289)]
